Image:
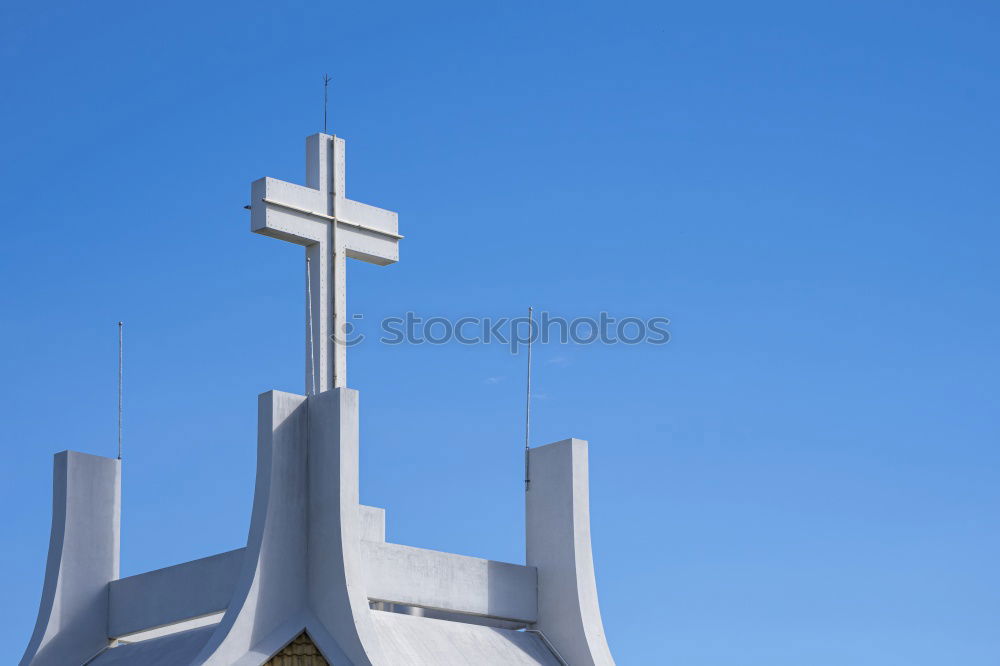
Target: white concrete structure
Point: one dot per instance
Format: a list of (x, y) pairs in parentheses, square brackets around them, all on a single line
[(332, 228), (316, 561), (558, 544), (72, 623)]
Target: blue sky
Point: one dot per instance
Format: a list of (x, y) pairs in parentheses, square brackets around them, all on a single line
[(807, 473)]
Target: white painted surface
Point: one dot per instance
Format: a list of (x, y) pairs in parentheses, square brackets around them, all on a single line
[(72, 623), (176, 593), (421, 641), (372, 523), (444, 581), (193, 589), (336, 577), (558, 545), (301, 568)]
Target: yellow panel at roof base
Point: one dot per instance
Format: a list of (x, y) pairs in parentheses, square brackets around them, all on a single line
[(300, 652)]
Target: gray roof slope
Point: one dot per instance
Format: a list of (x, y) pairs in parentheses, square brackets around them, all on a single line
[(170, 650), (406, 640)]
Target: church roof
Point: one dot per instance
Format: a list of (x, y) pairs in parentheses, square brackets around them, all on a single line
[(405, 639)]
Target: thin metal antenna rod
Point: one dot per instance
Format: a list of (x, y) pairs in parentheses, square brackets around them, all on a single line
[(326, 99), (527, 411), (312, 348), (121, 359)]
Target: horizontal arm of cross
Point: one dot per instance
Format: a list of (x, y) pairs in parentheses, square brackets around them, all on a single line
[(369, 218), (377, 230), (295, 213), (291, 223)]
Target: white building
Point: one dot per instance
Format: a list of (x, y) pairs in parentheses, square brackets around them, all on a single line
[(317, 582)]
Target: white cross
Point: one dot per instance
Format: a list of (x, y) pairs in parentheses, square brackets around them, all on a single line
[(331, 227)]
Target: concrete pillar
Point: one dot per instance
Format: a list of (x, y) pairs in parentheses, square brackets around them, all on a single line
[(336, 577), (558, 545), (83, 559), (302, 564)]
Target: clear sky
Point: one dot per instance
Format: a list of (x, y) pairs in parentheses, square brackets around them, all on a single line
[(805, 474)]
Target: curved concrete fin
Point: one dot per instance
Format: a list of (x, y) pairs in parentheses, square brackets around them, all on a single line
[(270, 593), (558, 545), (72, 624), (337, 583), (301, 568)]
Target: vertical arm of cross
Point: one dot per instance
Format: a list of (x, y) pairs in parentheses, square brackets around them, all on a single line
[(326, 172), (303, 215)]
